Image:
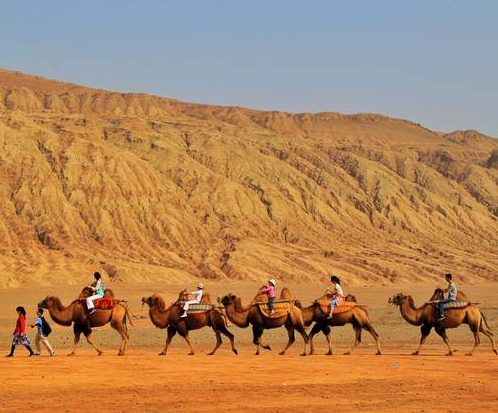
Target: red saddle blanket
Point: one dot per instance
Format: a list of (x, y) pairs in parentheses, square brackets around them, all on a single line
[(104, 303)]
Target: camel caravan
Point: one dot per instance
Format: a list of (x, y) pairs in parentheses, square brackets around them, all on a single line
[(97, 306)]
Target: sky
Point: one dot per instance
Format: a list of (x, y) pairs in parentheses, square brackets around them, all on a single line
[(430, 61)]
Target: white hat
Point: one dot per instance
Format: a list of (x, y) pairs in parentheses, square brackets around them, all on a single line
[(200, 285), (272, 281)]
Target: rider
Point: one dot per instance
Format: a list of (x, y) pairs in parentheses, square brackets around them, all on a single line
[(270, 290), (197, 299), (98, 290), (452, 296), (336, 291)]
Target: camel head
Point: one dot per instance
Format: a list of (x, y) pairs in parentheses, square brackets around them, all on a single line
[(397, 299), (155, 300), (227, 299), (47, 302)]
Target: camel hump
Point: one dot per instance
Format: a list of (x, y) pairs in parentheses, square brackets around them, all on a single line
[(206, 298), (285, 294)]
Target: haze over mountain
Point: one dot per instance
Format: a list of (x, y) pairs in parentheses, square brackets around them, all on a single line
[(155, 189)]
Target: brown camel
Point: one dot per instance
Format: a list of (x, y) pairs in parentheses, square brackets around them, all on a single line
[(426, 316), (169, 318), (357, 316), (77, 314), (251, 314)]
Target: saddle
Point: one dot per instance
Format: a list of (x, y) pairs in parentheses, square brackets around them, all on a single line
[(282, 308), (452, 304), (196, 308), (324, 303)]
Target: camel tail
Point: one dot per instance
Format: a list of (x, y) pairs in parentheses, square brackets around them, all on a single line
[(483, 320), (298, 304), (127, 313)]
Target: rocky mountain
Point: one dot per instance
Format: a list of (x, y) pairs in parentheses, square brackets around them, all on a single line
[(153, 189)]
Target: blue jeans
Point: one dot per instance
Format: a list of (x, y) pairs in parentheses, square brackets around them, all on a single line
[(333, 303), (270, 304), (441, 304)]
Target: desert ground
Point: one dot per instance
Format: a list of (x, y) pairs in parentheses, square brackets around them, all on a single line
[(144, 381)]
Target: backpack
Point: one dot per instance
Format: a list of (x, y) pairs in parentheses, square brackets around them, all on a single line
[(46, 329)]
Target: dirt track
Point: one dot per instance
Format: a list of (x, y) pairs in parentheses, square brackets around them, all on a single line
[(144, 381)]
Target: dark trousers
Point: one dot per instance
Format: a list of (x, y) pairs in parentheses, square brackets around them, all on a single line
[(270, 303), (441, 304)]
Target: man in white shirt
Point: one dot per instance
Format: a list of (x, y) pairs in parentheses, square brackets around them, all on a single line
[(452, 296), (197, 299)]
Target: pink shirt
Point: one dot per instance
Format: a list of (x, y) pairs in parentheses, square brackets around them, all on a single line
[(270, 290)]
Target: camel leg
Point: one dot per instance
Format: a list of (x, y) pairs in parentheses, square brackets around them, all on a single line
[(77, 335), (230, 336), (484, 330), (171, 334), (292, 338), (257, 333), (315, 330), (122, 330), (424, 331), (375, 336), (357, 340), (475, 329), (218, 343), (184, 333), (301, 330), (442, 333), (90, 341)]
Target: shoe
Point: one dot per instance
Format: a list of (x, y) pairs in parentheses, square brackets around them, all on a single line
[(53, 353), (33, 354), (441, 318), (36, 354), (183, 315), (90, 312)]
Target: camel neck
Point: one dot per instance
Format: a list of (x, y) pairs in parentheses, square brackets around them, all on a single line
[(237, 316), (410, 314), (159, 317), (62, 315)]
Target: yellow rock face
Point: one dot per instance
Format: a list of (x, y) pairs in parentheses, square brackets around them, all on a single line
[(153, 189)]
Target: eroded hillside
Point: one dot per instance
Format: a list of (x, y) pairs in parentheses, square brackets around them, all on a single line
[(148, 188)]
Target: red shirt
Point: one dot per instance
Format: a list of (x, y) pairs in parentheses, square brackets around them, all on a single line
[(20, 325)]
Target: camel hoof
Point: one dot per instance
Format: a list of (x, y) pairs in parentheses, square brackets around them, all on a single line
[(415, 353), (100, 353), (267, 348), (449, 354), (71, 354), (282, 353), (378, 353), (303, 354), (121, 353), (191, 354), (312, 352), (329, 353), (163, 353), (210, 354), (236, 352), (468, 354), (347, 353)]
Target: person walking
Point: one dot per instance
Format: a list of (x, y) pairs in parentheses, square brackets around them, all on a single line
[(42, 333), (20, 336)]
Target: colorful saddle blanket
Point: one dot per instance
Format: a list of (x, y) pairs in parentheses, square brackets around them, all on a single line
[(453, 304), (104, 303), (282, 307), (324, 303), (197, 308)]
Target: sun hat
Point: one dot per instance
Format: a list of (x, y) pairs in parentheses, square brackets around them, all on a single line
[(272, 281), (200, 285)]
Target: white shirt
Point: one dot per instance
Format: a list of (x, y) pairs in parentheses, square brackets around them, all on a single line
[(197, 296), (452, 291), (339, 290)]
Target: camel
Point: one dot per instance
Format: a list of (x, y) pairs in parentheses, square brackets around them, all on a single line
[(251, 314), (357, 316), (426, 316), (77, 314), (169, 318)]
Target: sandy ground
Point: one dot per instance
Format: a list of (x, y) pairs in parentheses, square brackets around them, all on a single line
[(143, 381)]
